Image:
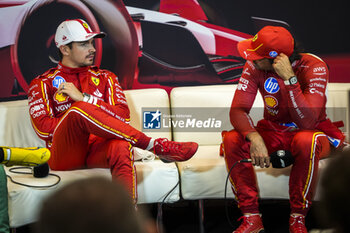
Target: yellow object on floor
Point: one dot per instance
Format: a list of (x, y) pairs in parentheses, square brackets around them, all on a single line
[(26, 156)]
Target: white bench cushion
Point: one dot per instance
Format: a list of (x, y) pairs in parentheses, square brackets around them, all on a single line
[(215, 100), (15, 126), (338, 103), (154, 179), (154, 98)]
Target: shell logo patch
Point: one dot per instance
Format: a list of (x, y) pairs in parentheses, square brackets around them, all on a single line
[(95, 80), (271, 101), (60, 97)]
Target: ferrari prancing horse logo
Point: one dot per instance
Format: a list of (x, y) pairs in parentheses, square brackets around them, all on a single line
[(95, 80), (86, 25)]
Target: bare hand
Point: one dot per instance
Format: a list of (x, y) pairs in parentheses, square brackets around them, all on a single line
[(282, 67), (70, 90), (258, 150)]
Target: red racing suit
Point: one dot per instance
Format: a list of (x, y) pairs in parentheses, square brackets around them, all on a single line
[(294, 120), (81, 134)]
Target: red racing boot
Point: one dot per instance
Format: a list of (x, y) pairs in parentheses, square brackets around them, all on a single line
[(170, 151), (251, 224), (297, 224)]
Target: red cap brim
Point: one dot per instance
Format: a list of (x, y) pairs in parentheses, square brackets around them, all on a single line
[(246, 51)]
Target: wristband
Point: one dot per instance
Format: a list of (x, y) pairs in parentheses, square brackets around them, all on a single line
[(86, 97), (89, 99), (291, 81)]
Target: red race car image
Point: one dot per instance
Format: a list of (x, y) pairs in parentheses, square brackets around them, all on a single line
[(144, 48), (173, 46)]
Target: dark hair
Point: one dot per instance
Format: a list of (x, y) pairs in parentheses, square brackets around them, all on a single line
[(89, 205), (335, 192), (60, 55), (296, 52)]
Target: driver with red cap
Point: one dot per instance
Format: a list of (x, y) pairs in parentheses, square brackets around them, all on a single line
[(293, 87)]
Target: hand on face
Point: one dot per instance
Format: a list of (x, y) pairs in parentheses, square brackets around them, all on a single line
[(69, 89), (282, 67)]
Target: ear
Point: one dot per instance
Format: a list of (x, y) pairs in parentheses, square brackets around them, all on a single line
[(65, 50)]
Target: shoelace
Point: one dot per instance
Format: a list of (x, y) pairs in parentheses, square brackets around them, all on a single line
[(170, 146), (299, 221), (242, 217), (242, 227)]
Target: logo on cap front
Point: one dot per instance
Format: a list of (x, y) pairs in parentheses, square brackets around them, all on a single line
[(273, 54), (271, 85), (86, 25)]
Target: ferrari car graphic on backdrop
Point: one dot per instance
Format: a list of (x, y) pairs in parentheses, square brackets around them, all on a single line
[(174, 46)]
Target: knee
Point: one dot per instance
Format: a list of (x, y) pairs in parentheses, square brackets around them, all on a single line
[(232, 137), (80, 105), (233, 143), (76, 107), (303, 139), (306, 142)]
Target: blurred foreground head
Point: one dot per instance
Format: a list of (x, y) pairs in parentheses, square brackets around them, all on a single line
[(90, 205), (336, 191)]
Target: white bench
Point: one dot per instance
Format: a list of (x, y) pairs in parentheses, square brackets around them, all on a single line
[(154, 179), (202, 177)]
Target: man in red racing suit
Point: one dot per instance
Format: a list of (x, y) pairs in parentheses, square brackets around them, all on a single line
[(82, 114), (294, 94)]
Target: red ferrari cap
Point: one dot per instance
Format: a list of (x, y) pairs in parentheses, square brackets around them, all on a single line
[(269, 42)]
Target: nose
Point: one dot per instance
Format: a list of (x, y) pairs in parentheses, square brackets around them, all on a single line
[(92, 48)]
